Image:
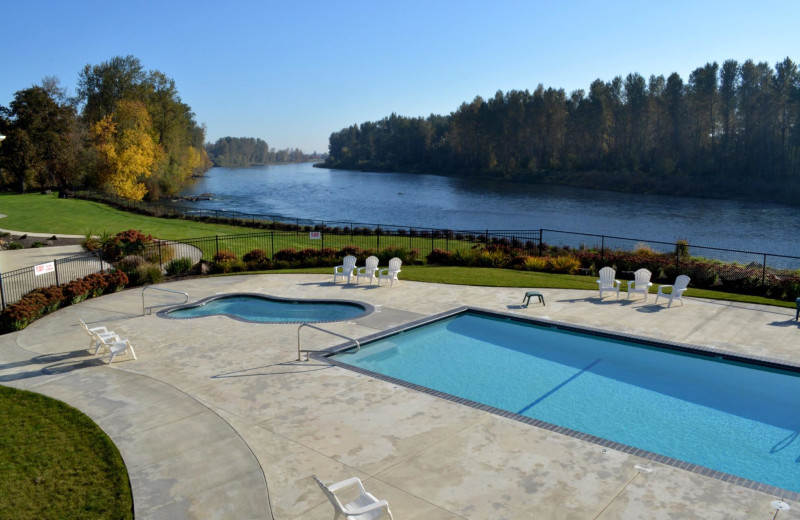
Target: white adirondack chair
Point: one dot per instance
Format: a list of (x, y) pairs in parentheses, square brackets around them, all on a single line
[(365, 507), (114, 346), (391, 272), (641, 283), (607, 281), (97, 332), (346, 269), (678, 288), (369, 271)]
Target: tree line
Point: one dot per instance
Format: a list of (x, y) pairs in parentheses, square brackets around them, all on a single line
[(126, 132), (728, 130), (235, 152)]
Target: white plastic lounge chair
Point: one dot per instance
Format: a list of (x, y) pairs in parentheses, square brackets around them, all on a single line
[(641, 283), (369, 270), (607, 281), (678, 288), (391, 272), (114, 346), (365, 507), (97, 332), (346, 269)]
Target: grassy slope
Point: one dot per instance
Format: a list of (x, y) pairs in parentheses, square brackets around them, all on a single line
[(37, 213), (56, 463)]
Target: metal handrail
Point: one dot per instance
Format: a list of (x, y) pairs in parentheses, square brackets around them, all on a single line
[(358, 345), (160, 289)]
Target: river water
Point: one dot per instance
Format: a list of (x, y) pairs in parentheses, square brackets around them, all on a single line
[(401, 199)]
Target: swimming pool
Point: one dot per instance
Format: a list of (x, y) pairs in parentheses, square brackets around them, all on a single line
[(269, 309), (713, 412)]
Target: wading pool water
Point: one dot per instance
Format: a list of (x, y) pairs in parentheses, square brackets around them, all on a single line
[(269, 309)]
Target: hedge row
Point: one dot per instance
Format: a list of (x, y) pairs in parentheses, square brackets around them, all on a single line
[(45, 300)]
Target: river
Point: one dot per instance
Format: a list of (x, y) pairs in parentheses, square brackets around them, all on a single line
[(401, 199)]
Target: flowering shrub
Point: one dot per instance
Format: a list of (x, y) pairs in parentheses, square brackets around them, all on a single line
[(47, 299), (53, 297), (76, 291), (223, 255), (439, 257), (256, 256), (22, 313)]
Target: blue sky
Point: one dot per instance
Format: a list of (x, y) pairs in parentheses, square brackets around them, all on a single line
[(292, 72)]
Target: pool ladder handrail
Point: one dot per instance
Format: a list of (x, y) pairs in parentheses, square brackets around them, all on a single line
[(358, 345), (165, 290)]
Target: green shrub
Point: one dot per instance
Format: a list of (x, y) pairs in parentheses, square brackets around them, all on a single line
[(179, 266), (149, 274), (534, 263), (160, 254), (563, 264), (38, 244), (230, 266), (489, 258), (15, 245), (464, 257), (682, 250)]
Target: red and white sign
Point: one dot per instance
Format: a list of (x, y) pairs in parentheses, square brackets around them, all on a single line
[(49, 267), (314, 235)]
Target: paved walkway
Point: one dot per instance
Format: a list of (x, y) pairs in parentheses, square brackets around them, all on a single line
[(214, 410)]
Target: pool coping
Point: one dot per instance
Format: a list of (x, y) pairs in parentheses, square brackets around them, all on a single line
[(368, 308), (325, 356)]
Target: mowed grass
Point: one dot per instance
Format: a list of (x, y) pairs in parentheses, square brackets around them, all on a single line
[(55, 463), (489, 277), (38, 213)]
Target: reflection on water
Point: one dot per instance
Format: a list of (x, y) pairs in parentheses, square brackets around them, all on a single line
[(302, 191)]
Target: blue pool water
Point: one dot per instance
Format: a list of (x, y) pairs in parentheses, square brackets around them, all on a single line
[(270, 310), (734, 418)]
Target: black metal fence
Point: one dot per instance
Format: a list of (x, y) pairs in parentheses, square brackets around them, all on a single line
[(736, 270), (16, 284)]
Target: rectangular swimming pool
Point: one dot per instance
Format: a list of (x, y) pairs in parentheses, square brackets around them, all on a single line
[(733, 417)]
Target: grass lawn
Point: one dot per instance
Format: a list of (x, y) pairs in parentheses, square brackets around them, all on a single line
[(49, 214), (489, 277), (55, 463), (36, 213)]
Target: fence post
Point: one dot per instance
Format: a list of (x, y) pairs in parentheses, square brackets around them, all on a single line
[(378, 238), (764, 274), (602, 249), (541, 241), (487, 238), (55, 269), (216, 241), (160, 259), (272, 243), (2, 295)]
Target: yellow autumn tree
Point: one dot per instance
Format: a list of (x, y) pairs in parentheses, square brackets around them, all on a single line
[(127, 150)]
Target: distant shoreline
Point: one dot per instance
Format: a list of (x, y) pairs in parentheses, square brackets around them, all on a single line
[(624, 182)]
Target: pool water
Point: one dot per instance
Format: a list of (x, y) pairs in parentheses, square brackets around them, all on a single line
[(728, 416), (270, 310)]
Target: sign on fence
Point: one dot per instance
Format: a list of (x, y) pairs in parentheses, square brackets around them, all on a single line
[(314, 235), (49, 267)]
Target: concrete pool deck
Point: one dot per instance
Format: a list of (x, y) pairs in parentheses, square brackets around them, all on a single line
[(217, 419)]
